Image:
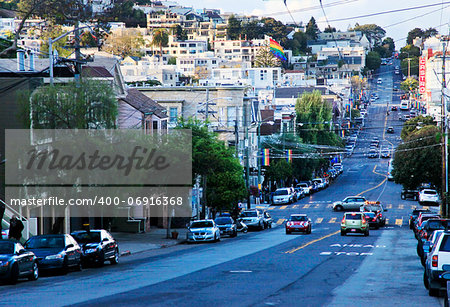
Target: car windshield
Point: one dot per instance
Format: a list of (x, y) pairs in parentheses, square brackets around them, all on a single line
[(223, 220), (249, 214), (369, 214), (45, 242), (281, 192), (202, 224), (353, 216), (297, 218), (87, 237), (6, 247)]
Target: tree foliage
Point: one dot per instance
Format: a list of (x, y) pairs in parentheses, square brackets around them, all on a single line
[(234, 29), (312, 30), (211, 158), (373, 60), (62, 45), (418, 160), (265, 58), (298, 44), (89, 104), (180, 33), (125, 44), (410, 85), (415, 124), (314, 116), (160, 39), (373, 32)]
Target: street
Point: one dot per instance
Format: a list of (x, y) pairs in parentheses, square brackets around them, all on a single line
[(269, 267)]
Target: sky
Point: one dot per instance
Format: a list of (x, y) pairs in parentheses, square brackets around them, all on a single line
[(397, 24)]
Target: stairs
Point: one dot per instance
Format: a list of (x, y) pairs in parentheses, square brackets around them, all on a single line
[(30, 224)]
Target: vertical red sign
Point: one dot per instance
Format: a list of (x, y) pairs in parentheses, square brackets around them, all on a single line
[(422, 79)]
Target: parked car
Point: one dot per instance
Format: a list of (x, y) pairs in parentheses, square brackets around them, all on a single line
[(385, 154), (253, 218), (300, 192), (436, 258), (59, 251), (428, 245), (203, 230), (418, 225), (298, 222), (354, 222), (429, 197), (429, 227), (339, 167), (226, 225), (349, 203), (97, 246), (306, 185), (414, 215), (414, 194), (16, 262), (283, 196), (390, 177), (5, 233), (372, 219), (321, 183)]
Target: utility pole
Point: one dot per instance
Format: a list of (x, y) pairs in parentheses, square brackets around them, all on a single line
[(444, 127), (247, 154), (77, 52), (205, 176)]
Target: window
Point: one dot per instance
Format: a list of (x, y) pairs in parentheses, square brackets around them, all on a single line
[(192, 45), (182, 45), (231, 116), (173, 114), (155, 125)]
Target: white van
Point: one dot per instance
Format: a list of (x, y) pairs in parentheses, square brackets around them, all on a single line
[(390, 168), (404, 105)]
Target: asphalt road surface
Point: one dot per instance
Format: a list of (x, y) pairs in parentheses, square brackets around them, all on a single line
[(269, 267)]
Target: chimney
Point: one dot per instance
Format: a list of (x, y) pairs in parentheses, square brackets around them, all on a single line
[(20, 60)]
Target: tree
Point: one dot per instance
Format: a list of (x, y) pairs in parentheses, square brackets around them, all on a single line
[(373, 60), (126, 44), (253, 29), (298, 44), (373, 32), (409, 51), (314, 117), (418, 160), (61, 45), (329, 29), (312, 29), (89, 104), (275, 29), (413, 66), (430, 32), (234, 28), (415, 124), (410, 85), (160, 39), (413, 34), (123, 10), (180, 33), (265, 58)]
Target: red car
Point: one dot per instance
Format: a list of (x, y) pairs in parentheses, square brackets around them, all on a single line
[(298, 222)]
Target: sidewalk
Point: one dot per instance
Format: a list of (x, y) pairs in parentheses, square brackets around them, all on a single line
[(131, 243)]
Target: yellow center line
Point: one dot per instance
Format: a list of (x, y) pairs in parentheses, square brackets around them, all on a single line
[(378, 185), (311, 242), (317, 206), (283, 207), (389, 206), (387, 221)]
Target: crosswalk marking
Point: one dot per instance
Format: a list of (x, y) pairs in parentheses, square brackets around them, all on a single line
[(317, 206), (329, 205), (306, 206), (389, 206), (319, 220), (399, 222), (295, 207), (387, 221), (271, 208), (333, 220), (280, 221), (401, 206), (283, 207)]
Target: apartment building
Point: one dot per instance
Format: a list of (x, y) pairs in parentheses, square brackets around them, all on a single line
[(238, 50)]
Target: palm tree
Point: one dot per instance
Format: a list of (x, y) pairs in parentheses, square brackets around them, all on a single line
[(160, 39)]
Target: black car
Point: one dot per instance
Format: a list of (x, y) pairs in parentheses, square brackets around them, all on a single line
[(372, 219), (97, 246), (394, 108), (16, 262), (390, 130), (226, 225), (414, 194), (59, 251)]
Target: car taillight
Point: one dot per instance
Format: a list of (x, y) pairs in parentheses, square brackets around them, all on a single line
[(363, 221), (434, 261), (343, 220)]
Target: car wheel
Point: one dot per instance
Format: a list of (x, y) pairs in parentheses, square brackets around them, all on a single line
[(422, 261), (339, 208), (14, 274), (288, 232), (411, 226), (433, 291), (342, 233), (79, 267), (366, 234), (378, 226), (309, 230), (35, 273), (65, 267), (101, 260), (261, 226), (115, 259)]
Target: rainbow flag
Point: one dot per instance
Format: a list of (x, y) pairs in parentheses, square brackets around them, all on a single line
[(265, 157), (342, 133), (277, 50), (347, 108), (289, 155)]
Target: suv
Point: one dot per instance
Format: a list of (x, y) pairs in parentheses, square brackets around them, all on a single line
[(253, 218), (420, 221), (414, 215), (354, 222), (437, 257), (376, 208), (429, 196), (283, 196), (349, 203), (306, 185), (414, 194)]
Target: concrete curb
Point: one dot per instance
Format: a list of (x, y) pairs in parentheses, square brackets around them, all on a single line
[(128, 253)]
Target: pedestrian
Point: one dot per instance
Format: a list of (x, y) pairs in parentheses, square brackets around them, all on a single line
[(15, 228)]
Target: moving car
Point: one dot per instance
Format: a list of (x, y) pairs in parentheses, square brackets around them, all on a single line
[(16, 262), (97, 246), (394, 108), (203, 230), (349, 203), (390, 177), (390, 130), (354, 222), (376, 208), (379, 81), (373, 153), (226, 225), (404, 105), (385, 154), (283, 196), (59, 251), (298, 222), (253, 218), (429, 197), (372, 219)]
